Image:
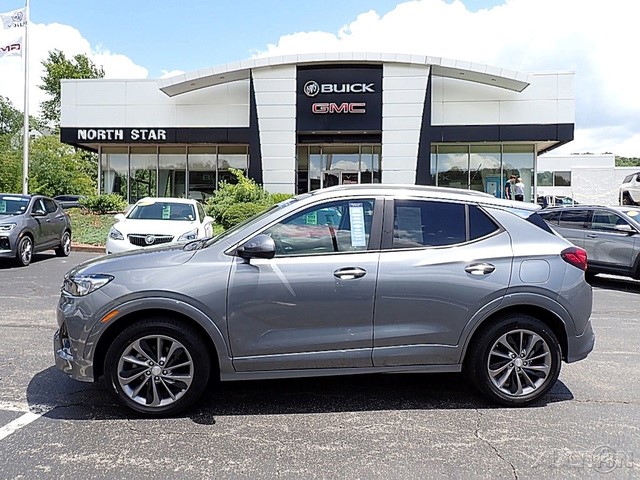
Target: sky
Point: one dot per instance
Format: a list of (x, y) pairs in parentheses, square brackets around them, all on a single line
[(596, 39)]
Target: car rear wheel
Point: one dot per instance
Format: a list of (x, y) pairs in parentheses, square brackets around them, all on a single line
[(626, 199), (158, 367), (515, 361), (65, 245), (24, 252)]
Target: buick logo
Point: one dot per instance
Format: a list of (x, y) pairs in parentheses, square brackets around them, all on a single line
[(17, 17), (149, 239), (311, 88)]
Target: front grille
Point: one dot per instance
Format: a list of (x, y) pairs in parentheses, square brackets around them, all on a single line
[(141, 240)]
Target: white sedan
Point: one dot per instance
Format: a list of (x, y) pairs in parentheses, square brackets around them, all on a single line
[(155, 221)]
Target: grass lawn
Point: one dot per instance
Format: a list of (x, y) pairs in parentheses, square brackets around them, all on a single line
[(88, 228)]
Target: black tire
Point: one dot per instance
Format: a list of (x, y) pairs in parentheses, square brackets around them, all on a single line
[(487, 352), (24, 252), (65, 245), (154, 379), (626, 199)]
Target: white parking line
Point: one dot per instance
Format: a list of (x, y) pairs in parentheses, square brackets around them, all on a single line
[(33, 413)]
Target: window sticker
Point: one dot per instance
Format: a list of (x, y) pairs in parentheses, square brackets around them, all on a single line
[(3, 206), (358, 234), (166, 212), (311, 218)]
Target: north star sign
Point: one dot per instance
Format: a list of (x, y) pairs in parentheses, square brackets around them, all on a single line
[(122, 134)]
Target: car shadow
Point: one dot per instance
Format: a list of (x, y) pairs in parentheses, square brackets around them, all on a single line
[(66, 399), (613, 282), (9, 263)]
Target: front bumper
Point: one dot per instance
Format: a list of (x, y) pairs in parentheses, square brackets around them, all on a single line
[(66, 359)]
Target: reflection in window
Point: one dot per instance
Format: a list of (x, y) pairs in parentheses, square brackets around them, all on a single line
[(420, 223), (342, 226), (172, 172), (114, 167), (144, 164)]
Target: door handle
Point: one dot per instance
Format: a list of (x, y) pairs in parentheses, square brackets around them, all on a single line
[(479, 268), (592, 235), (349, 273)]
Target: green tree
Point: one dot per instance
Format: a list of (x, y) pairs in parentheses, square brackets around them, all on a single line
[(627, 161), (56, 169), (11, 119), (57, 66)]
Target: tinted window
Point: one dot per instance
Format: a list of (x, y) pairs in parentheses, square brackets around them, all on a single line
[(201, 212), (551, 217), (342, 226), (38, 205), (574, 218), (49, 205), (480, 224), (605, 220), (422, 223)]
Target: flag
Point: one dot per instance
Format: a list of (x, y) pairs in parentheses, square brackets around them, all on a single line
[(12, 47), (14, 19)]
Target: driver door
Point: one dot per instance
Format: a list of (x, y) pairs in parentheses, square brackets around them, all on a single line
[(311, 306)]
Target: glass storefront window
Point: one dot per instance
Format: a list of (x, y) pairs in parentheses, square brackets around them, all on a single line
[(453, 166), (518, 160), (484, 168), (114, 168), (144, 169), (202, 172), (172, 172), (315, 167), (236, 157)]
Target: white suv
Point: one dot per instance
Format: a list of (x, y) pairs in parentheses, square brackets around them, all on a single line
[(630, 190)]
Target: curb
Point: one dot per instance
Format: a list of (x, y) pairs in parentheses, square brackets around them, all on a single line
[(79, 247)]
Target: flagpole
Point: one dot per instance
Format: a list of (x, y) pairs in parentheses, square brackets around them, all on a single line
[(25, 141)]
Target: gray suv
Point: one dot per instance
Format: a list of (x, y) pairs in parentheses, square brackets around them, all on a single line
[(610, 235), (345, 280), (30, 224)]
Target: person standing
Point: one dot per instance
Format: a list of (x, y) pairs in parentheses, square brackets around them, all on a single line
[(518, 190), (508, 188)]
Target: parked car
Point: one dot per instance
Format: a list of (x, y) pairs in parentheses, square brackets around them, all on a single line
[(630, 190), (30, 224), (387, 279), (610, 235), (555, 201), (154, 221), (69, 201)]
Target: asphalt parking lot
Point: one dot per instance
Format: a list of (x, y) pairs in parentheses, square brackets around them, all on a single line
[(374, 426)]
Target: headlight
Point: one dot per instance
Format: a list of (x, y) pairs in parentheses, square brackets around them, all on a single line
[(115, 234), (7, 227), (81, 285), (192, 235)]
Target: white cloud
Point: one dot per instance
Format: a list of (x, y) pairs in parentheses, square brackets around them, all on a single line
[(171, 73), (42, 39), (596, 39)]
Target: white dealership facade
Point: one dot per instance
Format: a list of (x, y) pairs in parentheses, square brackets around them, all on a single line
[(301, 122)]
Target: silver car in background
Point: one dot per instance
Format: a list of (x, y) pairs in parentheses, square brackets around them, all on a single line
[(344, 280), (30, 224), (610, 235)]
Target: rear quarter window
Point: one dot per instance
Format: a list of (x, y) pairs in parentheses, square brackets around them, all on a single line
[(480, 225)]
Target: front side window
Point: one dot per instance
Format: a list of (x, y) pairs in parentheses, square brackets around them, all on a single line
[(334, 227), (605, 220), (49, 205)]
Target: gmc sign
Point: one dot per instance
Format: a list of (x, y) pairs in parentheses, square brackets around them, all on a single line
[(359, 107)]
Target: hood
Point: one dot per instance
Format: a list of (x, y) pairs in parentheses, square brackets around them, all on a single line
[(7, 218), (155, 227), (147, 258)]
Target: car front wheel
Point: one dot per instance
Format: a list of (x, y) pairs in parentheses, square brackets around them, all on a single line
[(515, 361), (65, 245), (24, 251), (158, 367)]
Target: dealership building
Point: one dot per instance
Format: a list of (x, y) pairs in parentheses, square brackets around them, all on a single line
[(302, 122)]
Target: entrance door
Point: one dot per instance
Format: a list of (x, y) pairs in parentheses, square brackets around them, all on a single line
[(331, 178)]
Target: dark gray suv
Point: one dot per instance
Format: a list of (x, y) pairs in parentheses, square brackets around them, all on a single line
[(610, 235), (30, 224), (345, 280)]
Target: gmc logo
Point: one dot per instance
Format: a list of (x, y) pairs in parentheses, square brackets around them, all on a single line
[(323, 108), (10, 48)]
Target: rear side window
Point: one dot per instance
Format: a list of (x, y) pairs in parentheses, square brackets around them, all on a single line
[(576, 219), (421, 223), (551, 217)]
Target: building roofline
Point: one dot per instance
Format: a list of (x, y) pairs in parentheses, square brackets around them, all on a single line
[(441, 67)]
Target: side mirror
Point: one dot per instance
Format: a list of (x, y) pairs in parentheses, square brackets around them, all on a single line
[(260, 246), (626, 228), (119, 217)]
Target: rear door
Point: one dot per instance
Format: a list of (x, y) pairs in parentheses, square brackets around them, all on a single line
[(573, 223), (441, 262), (606, 245)]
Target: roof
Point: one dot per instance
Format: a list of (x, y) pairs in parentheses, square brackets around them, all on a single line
[(441, 67)]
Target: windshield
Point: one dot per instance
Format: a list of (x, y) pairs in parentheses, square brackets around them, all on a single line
[(13, 205), (158, 210)]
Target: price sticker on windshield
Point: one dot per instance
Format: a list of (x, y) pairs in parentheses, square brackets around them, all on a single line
[(358, 234)]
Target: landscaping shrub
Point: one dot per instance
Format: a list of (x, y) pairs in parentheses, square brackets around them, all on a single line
[(105, 203), (279, 197), (239, 212), (228, 194)]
